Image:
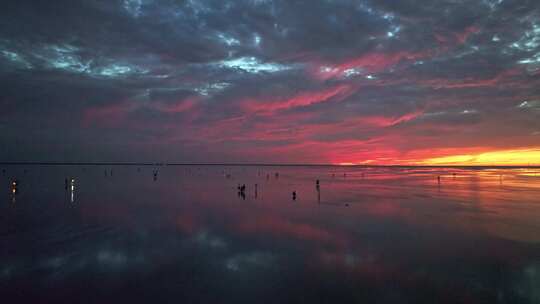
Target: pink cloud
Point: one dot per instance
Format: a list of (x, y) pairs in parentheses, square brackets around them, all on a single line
[(302, 99)]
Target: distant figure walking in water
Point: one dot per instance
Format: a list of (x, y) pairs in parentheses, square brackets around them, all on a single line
[(294, 195), (65, 183), (317, 184), (155, 172), (242, 191), (439, 179), (277, 175)]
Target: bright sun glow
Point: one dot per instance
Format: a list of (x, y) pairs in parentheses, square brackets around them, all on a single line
[(505, 157)]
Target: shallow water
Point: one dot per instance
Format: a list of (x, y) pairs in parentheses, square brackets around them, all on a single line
[(369, 235)]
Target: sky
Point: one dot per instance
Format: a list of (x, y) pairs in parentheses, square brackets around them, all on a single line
[(271, 81)]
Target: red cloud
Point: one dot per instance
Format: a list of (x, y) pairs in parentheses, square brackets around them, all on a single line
[(303, 99), (468, 82)]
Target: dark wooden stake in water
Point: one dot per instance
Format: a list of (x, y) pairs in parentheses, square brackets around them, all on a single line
[(256, 190)]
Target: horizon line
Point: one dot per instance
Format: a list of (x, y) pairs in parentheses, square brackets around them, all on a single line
[(49, 163)]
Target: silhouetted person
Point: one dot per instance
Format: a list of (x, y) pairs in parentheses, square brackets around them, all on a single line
[(344, 175), (277, 175), (333, 175), (454, 175), (65, 183), (439, 179), (294, 195), (318, 183), (242, 191)]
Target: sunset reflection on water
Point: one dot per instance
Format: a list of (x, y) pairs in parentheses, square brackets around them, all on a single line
[(384, 234)]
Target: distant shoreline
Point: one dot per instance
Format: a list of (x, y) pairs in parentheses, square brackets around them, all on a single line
[(259, 165)]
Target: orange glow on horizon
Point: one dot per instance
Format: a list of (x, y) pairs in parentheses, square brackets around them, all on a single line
[(521, 157), (516, 157)]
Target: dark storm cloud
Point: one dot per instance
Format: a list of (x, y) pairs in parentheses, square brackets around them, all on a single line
[(182, 80)]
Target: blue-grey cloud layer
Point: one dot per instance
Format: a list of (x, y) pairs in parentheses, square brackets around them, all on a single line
[(265, 80)]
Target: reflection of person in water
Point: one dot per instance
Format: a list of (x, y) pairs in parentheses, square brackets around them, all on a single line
[(294, 195)]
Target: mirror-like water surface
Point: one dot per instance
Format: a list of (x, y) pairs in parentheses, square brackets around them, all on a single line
[(185, 234)]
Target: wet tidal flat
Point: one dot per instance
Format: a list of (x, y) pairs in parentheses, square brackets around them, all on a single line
[(269, 234)]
